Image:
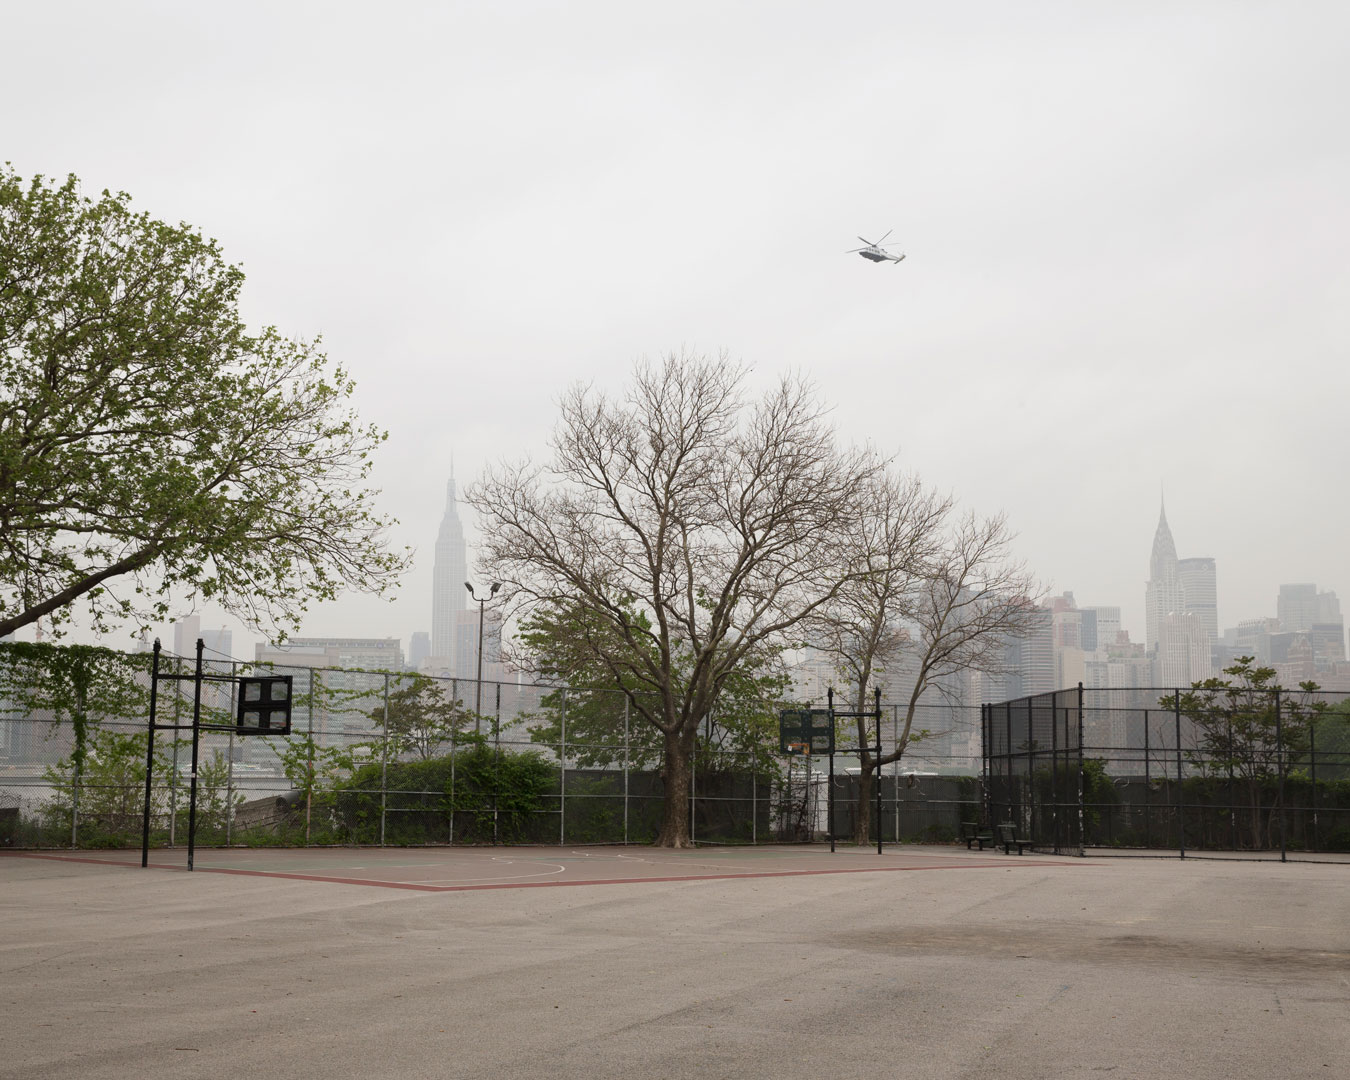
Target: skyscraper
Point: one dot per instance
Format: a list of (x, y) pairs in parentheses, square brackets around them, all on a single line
[(1162, 591), (448, 597), (216, 644), (419, 648), (1180, 611), (1200, 592), (1297, 606)]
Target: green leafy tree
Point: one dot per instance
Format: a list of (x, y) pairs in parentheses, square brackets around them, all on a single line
[(421, 718), (102, 802), (562, 645), (151, 446), (1248, 727), (497, 795), (74, 684), (106, 790)]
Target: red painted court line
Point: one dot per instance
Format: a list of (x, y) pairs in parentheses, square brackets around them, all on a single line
[(412, 886), (87, 859)]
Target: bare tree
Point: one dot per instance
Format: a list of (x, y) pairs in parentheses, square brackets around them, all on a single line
[(696, 526), (895, 538), (937, 598)]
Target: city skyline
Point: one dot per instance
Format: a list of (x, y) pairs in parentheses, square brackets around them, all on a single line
[(1183, 640), (1125, 233), (1308, 601)]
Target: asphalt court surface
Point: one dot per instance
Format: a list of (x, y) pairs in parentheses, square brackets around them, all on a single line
[(463, 869), (757, 963)]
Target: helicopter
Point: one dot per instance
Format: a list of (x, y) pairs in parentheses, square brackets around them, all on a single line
[(874, 251)]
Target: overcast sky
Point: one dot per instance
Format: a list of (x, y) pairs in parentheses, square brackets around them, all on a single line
[(1126, 228)]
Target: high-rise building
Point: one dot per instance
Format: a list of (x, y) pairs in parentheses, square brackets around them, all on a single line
[(1162, 592), (1303, 606), (419, 648), (449, 599), (1309, 620), (1036, 666), (350, 670), (1296, 607), (1328, 641), (1185, 651), (1178, 587), (465, 656), (1251, 637), (1199, 592), (1106, 626), (216, 644)]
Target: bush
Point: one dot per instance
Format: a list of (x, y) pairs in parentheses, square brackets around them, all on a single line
[(477, 794)]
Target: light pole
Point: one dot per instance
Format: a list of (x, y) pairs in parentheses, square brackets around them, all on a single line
[(481, 601)]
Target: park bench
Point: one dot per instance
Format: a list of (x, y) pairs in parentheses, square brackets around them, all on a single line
[(1007, 836), (973, 833)]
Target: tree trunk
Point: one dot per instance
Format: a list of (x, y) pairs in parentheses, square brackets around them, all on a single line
[(679, 754), (863, 811)]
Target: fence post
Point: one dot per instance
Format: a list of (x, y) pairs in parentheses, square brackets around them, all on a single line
[(150, 754), (895, 770), (987, 762), (315, 681), (693, 794), (1008, 711), (384, 760), (562, 771), (1312, 770), (754, 795), (1232, 798), (1082, 817), (1181, 790), (1056, 797), (627, 764), (77, 778), (1279, 764), (497, 750), (173, 776), (454, 702), (229, 768), (1148, 786)]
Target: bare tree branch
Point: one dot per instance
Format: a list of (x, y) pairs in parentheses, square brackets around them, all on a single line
[(696, 526)]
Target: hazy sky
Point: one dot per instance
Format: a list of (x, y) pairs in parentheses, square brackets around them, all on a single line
[(1126, 227)]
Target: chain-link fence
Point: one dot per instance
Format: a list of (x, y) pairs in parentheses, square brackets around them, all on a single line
[(402, 758), (1256, 772)]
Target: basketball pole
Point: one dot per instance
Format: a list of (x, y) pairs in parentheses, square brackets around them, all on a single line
[(196, 742), (149, 757)]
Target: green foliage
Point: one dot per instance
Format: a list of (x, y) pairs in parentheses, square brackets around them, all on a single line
[(595, 808), (1058, 787), (421, 717), (1331, 741), (1244, 723), (75, 683), (501, 794), (489, 794), (151, 446), (107, 795), (108, 789), (563, 645)]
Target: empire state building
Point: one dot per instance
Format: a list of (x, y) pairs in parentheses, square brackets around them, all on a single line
[(451, 570)]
